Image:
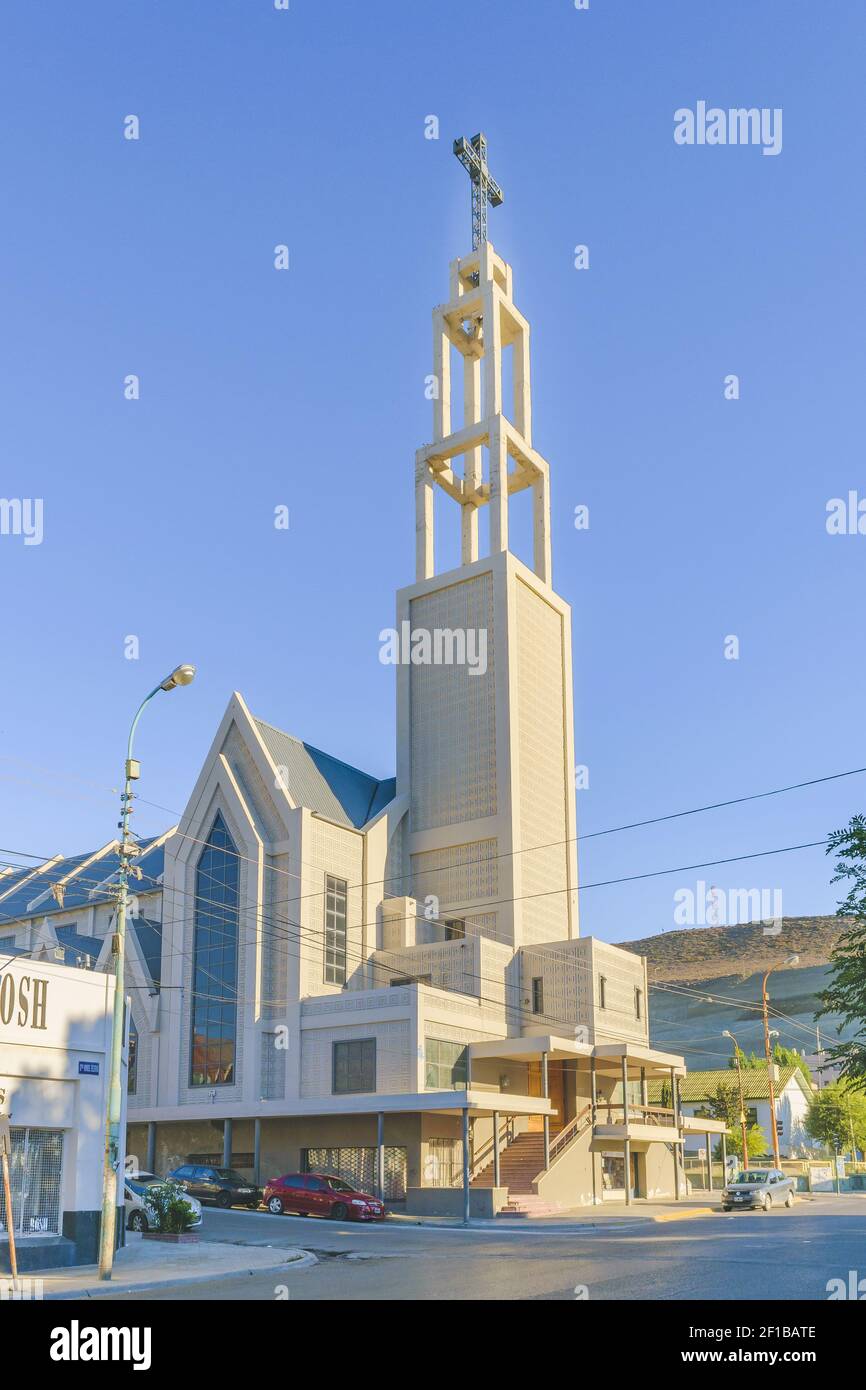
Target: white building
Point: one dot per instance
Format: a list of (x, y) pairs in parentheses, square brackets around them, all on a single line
[(792, 1095), (55, 1032), (385, 977)]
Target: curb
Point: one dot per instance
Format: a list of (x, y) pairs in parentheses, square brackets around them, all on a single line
[(304, 1261), (687, 1215)]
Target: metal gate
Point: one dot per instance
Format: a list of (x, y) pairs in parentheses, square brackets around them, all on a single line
[(358, 1166), (35, 1171)]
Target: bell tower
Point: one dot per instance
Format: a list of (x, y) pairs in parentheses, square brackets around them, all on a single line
[(485, 749)]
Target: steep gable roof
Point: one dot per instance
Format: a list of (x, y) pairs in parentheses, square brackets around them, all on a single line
[(323, 783)]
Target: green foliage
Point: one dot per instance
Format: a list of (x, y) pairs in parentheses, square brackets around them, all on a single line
[(725, 1104), (834, 1114), (755, 1138), (782, 1056), (168, 1202), (846, 993)]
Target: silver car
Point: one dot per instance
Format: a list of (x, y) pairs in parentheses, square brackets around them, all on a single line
[(759, 1189)]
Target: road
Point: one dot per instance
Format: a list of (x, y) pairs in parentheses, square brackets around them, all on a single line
[(744, 1256)]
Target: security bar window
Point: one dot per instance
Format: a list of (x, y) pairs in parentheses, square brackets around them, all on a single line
[(336, 907)]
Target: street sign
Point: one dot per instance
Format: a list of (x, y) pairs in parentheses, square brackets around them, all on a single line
[(88, 1068)]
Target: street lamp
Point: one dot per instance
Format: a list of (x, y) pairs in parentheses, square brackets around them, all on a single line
[(181, 675), (728, 1034), (765, 999)]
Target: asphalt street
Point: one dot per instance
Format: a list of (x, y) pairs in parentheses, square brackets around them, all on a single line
[(745, 1256)]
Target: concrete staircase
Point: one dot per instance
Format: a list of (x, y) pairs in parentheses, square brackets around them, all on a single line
[(519, 1164)]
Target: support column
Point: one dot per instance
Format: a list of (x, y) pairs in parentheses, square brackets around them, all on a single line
[(644, 1100), (498, 448), (675, 1146), (709, 1165), (541, 552), (380, 1156), (626, 1142), (472, 461), (545, 1088), (257, 1152), (466, 1165), (522, 391), (228, 1125), (150, 1160), (442, 374), (492, 351), (424, 560), (496, 1175)]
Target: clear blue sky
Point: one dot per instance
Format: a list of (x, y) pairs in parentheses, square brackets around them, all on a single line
[(306, 388)]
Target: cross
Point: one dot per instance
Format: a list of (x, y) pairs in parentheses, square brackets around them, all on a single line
[(473, 156)]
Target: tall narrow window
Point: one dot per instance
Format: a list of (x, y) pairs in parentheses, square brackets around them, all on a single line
[(638, 1003), (132, 1064), (213, 1008), (538, 995), (336, 904), (602, 992)]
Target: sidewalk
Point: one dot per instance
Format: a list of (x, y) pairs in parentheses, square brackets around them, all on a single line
[(148, 1264), (641, 1209)]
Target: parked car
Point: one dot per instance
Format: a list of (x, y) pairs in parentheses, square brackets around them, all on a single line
[(140, 1215), (225, 1187), (319, 1194), (759, 1187)]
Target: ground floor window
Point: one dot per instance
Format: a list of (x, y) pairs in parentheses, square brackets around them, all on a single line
[(358, 1166), (35, 1169), (443, 1163)]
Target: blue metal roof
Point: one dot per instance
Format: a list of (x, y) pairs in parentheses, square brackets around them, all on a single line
[(75, 946), (95, 883), (326, 784)]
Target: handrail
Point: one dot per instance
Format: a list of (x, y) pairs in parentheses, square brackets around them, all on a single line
[(562, 1140), (644, 1114)]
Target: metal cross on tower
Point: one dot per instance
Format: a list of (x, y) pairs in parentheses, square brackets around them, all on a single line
[(473, 156)]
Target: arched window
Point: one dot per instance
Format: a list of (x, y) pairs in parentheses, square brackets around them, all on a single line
[(213, 1008)]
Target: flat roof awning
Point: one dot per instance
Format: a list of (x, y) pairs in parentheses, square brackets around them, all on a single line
[(608, 1056), (476, 1100)]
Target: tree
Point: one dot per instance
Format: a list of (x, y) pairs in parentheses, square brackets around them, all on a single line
[(756, 1140), (790, 1057), (846, 993), (725, 1105), (835, 1114)]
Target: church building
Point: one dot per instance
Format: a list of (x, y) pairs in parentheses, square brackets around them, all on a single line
[(385, 978)]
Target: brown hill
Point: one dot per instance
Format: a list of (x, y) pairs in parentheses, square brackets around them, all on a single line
[(701, 953)]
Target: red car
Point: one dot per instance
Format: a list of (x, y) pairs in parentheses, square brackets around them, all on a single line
[(319, 1194)]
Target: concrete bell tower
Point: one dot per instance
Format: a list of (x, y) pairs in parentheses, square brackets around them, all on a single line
[(485, 750)]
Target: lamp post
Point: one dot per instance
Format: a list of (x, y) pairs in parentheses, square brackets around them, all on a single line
[(765, 999), (728, 1034), (181, 675)]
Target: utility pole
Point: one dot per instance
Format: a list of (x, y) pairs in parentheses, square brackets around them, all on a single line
[(5, 1149), (765, 999), (181, 675), (728, 1034)]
